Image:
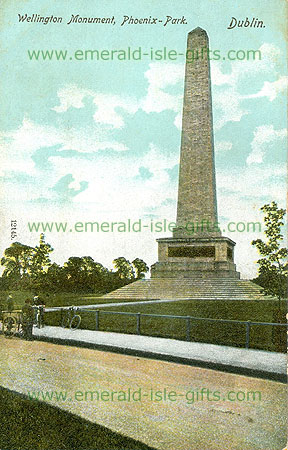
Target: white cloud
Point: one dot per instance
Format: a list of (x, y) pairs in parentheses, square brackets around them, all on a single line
[(19, 145), (227, 107), (263, 137), (106, 105), (223, 146), (71, 96), (218, 78), (178, 121), (227, 100), (115, 186), (270, 55), (253, 182), (271, 89), (161, 76)]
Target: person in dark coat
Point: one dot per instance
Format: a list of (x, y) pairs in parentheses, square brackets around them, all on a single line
[(10, 303), (27, 320)]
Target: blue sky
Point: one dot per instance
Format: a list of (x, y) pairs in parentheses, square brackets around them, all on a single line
[(100, 140)]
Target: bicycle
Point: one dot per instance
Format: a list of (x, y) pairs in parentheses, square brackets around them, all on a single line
[(71, 319)]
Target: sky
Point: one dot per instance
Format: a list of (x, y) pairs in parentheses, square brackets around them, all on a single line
[(94, 141)]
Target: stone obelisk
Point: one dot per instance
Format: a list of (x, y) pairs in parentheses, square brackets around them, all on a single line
[(197, 248), (197, 205)]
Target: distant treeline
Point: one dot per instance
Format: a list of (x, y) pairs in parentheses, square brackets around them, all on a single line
[(30, 268)]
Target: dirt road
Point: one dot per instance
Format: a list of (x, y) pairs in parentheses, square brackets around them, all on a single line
[(148, 400)]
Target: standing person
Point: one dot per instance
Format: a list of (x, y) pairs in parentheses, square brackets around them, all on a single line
[(39, 308), (36, 300), (27, 320), (10, 303), (40, 321), (35, 308)]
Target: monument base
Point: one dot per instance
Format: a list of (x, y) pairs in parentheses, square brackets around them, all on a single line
[(180, 271), (192, 288), (202, 257)]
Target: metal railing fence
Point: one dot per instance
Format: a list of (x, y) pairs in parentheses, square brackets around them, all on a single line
[(187, 319)]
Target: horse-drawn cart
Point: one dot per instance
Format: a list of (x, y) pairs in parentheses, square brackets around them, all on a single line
[(11, 322)]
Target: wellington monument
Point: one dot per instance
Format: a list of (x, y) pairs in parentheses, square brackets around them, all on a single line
[(197, 247), (197, 261)]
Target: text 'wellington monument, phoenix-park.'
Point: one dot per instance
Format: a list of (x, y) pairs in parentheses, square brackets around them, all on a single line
[(197, 262)]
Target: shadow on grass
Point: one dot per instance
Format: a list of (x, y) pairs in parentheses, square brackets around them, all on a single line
[(32, 425)]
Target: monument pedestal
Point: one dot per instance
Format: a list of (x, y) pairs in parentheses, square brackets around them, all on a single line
[(206, 257)]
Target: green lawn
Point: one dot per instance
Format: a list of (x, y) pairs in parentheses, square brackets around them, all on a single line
[(59, 299), (258, 310)]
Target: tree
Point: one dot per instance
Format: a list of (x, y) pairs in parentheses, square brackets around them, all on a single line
[(55, 279), (85, 274), (124, 269), (273, 264), (140, 267), (40, 261), (17, 261), (74, 271), (95, 274)]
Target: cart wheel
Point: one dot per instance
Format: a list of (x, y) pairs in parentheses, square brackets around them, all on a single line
[(9, 326), (75, 322)]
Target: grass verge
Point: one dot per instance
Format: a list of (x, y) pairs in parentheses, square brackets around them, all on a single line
[(30, 424)]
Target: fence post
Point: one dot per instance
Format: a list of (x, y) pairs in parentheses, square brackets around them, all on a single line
[(61, 317), (138, 323), (248, 325), (188, 329), (97, 319)]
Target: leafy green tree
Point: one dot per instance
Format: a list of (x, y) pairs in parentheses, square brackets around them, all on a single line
[(95, 274), (140, 267), (17, 261), (74, 270), (55, 279), (85, 274), (273, 264), (124, 269), (40, 261)]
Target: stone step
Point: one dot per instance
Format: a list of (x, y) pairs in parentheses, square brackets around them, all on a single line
[(188, 288)]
